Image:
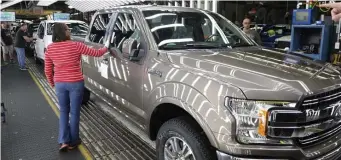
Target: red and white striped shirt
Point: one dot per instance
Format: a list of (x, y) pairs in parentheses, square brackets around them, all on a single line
[(62, 61)]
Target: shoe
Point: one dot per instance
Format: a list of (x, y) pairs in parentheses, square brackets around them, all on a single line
[(63, 147), (74, 145), (24, 69), (3, 119)]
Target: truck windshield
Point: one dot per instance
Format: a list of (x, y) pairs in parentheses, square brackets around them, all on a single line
[(77, 29), (182, 30)]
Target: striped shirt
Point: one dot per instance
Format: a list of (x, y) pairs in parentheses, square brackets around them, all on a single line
[(63, 61)]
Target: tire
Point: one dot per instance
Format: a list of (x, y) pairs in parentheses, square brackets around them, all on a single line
[(86, 96), (182, 128)]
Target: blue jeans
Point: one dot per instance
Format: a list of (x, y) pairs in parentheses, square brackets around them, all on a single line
[(70, 96), (21, 56)]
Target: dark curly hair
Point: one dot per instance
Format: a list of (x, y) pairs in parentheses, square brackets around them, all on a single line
[(59, 33)]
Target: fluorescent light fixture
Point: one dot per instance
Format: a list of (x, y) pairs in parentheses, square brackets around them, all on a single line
[(8, 4), (46, 2), (93, 5)]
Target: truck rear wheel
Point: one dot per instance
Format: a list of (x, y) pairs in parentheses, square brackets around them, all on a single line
[(179, 139), (86, 96)]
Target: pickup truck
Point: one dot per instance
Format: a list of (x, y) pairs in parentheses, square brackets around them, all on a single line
[(43, 35), (203, 90)]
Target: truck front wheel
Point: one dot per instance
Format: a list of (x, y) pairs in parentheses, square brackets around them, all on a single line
[(178, 139)]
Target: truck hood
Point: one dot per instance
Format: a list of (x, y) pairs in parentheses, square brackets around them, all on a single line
[(260, 73)]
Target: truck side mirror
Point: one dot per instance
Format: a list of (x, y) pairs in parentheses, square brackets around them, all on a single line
[(131, 50)]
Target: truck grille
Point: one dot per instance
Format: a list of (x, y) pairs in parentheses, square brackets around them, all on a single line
[(316, 118), (321, 100), (315, 106), (319, 137)]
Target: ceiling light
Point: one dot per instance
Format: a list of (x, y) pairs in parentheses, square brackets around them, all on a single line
[(46, 2)]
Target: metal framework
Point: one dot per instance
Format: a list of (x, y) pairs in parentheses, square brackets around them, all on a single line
[(87, 5), (46, 2), (93, 5), (8, 4)]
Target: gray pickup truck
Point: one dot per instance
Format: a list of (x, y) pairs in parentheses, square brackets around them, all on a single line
[(203, 90)]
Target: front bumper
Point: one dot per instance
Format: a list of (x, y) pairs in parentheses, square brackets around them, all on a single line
[(224, 156), (329, 149), (333, 155)]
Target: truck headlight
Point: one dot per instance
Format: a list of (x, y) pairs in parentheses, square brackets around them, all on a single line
[(252, 119)]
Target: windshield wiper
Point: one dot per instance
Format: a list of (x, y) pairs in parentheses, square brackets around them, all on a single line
[(241, 45), (205, 45), (199, 45)]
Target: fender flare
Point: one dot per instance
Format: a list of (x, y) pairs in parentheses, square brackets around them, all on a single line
[(196, 116)]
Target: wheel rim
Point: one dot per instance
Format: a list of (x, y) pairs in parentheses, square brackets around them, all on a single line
[(177, 149)]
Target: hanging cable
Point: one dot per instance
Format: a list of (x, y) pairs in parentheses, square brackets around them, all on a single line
[(314, 4)]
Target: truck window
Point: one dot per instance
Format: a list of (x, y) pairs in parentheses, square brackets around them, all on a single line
[(124, 27), (41, 30), (185, 29), (99, 27), (76, 28)]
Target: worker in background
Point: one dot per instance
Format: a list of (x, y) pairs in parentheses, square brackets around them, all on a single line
[(6, 43), (261, 14), (20, 43), (251, 33)]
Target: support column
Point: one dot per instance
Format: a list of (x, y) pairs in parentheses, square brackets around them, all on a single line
[(183, 3), (206, 4), (176, 4), (191, 3), (198, 3), (169, 2), (215, 6)]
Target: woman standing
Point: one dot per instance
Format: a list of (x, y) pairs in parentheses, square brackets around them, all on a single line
[(63, 71)]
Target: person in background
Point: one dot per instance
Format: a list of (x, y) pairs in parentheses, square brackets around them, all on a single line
[(63, 71), (261, 14), (251, 33), (6, 43), (20, 43)]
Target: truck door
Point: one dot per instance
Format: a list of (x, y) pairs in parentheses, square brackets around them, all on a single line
[(126, 76), (91, 65), (39, 44)]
